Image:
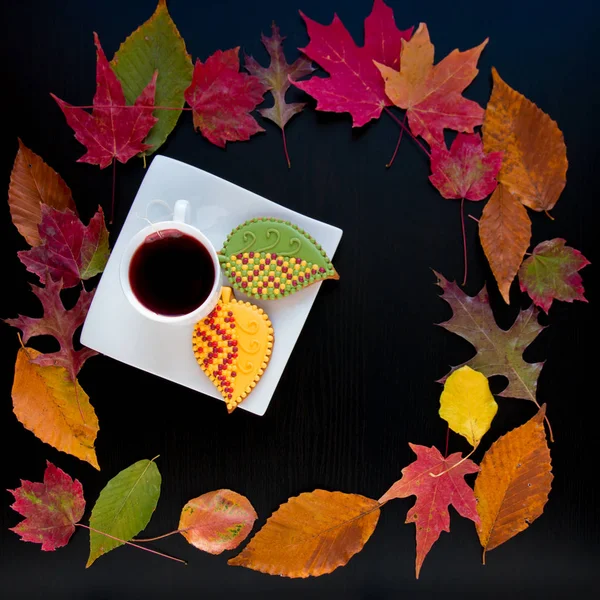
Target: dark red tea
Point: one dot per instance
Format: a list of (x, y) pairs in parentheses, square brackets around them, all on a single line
[(171, 273)]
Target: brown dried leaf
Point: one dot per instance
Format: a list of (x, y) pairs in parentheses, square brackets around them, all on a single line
[(514, 482), (504, 231)]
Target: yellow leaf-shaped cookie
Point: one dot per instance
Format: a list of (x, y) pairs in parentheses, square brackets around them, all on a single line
[(232, 346), (467, 404)]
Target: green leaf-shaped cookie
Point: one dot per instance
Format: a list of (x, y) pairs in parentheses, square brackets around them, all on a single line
[(270, 258)]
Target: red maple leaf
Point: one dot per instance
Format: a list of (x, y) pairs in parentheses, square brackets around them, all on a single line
[(113, 130), (51, 509), (60, 323), (221, 99), (465, 171), (69, 251), (355, 85), (434, 494)]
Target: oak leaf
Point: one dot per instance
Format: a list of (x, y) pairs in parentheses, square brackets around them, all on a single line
[(32, 184), (499, 352), (551, 273), (59, 323), (464, 171), (535, 164), (51, 509), (467, 404), (54, 407), (311, 534), (513, 485), (432, 95), (276, 78), (70, 251), (505, 232), (217, 521), (222, 99), (113, 130), (355, 85), (434, 495)]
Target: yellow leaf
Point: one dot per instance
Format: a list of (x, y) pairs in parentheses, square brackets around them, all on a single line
[(55, 408), (467, 404)]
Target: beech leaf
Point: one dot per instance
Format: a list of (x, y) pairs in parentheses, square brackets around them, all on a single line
[(535, 164), (59, 323), (551, 273), (467, 404), (222, 99), (311, 534), (499, 352), (51, 509), (513, 485), (124, 507), (217, 521), (70, 251), (113, 130), (432, 95), (156, 45), (434, 495), (33, 183), (54, 407), (355, 85), (464, 171), (505, 232)]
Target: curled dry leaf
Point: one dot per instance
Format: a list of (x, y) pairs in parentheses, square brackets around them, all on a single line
[(51, 509), (217, 521), (32, 184), (551, 273), (434, 495), (534, 167), (54, 407), (311, 534), (513, 485), (467, 404), (505, 232)]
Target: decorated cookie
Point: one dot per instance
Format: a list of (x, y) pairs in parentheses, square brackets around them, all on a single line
[(270, 258), (232, 346)]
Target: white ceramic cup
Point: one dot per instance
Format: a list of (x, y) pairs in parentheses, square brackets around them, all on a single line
[(180, 223)]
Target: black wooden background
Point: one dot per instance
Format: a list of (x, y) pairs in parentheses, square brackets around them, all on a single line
[(360, 383)]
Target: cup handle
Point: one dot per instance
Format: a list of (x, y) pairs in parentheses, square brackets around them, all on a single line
[(181, 212)]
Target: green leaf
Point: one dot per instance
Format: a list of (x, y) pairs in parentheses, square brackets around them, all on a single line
[(270, 258), (124, 507), (155, 46)]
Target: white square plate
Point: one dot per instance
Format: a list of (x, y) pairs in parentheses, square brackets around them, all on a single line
[(114, 328)]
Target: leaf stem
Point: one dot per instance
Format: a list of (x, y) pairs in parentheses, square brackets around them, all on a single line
[(285, 149), (158, 537), (405, 128), (474, 218), (398, 143), (447, 441), (131, 543), (464, 240), (131, 106), (454, 465), (114, 182)]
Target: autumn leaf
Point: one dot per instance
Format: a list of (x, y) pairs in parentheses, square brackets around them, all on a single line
[(54, 407), (551, 273), (505, 232), (434, 495), (465, 171), (276, 78), (432, 95), (311, 534), (217, 521), (155, 46), (467, 404), (32, 184), (59, 323), (51, 509), (113, 130), (124, 507), (499, 352), (222, 99), (513, 485), (534, 168), (69, 251), (355, 85)]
